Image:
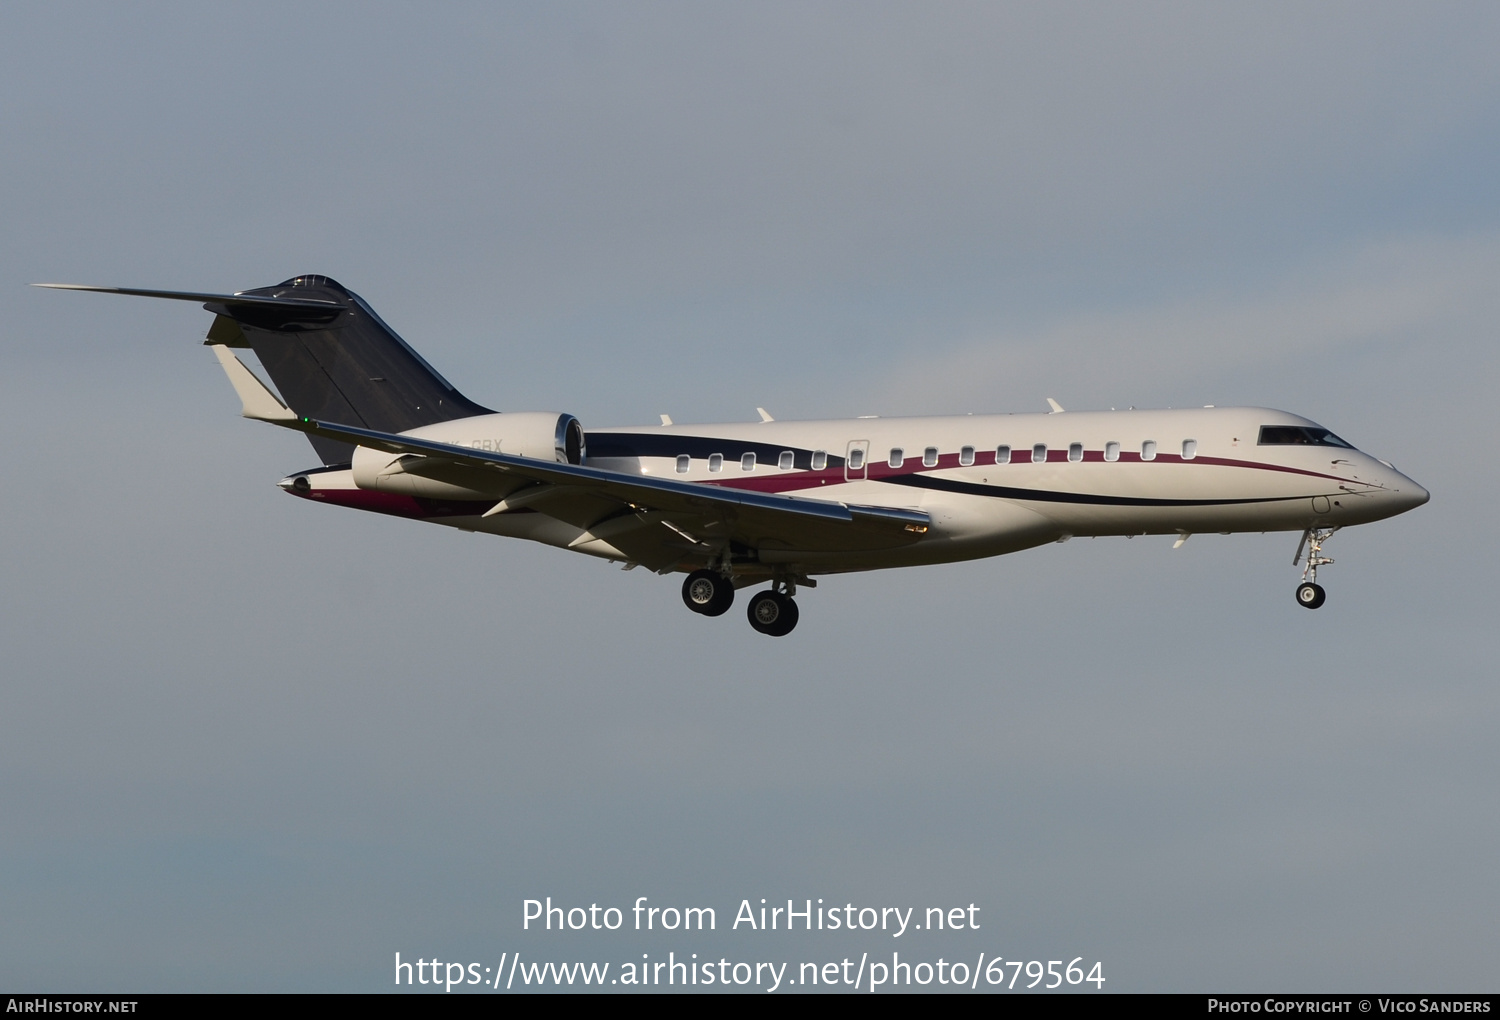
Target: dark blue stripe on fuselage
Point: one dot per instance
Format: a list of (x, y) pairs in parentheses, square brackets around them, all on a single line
[(1047, 496), (633, 444)]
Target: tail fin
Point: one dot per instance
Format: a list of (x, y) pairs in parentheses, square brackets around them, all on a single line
[(329, 355), (345, 367)]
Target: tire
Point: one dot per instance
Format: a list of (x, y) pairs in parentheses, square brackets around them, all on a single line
[(789, 617), (772, 614), (1311, 596), (708, 593)]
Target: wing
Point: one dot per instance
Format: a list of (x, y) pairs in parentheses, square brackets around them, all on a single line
[(655, 521)]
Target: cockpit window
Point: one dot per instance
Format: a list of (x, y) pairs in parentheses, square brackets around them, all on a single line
[(1299, 435)]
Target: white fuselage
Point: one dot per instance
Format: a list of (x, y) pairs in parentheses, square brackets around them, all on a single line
[(990, 483)]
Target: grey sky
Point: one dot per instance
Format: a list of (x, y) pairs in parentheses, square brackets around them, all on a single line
[(253, 744)]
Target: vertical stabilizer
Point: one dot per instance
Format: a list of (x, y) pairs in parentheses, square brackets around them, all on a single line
[(337, 366)]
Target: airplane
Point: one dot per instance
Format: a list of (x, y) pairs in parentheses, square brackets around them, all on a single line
[(770, 502)]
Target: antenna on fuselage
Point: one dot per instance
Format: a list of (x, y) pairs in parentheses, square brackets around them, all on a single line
[(1056, 407)]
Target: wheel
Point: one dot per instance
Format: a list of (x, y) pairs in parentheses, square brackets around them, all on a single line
[(708, 593), (773, 614), (1310, 595)]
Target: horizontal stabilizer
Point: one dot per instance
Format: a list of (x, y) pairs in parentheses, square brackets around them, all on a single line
[(231, 300)]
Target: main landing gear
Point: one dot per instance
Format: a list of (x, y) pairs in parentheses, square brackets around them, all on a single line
[(773, 612), (1310, 593), (708, 592)]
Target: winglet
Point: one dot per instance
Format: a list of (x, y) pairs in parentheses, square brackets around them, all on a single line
[(256, 399), (763, 415), (1056, 407)]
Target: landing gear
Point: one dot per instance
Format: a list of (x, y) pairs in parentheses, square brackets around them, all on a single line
[(773, 613), (708, 592), (1310, 593)]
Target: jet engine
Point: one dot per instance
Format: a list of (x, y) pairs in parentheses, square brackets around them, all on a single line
[(545, 435)]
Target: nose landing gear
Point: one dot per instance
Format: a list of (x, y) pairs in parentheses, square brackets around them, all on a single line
[(1310, 593)]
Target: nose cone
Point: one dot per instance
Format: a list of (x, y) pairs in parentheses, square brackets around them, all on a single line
[(1416, 494), (1406, 494)]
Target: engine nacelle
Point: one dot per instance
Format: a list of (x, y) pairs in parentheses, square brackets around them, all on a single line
[(545, 435)]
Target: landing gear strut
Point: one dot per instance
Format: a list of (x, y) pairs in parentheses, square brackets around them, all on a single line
[(708, 592), (1310, 593)]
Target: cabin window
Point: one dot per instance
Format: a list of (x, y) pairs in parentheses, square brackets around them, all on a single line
[(1299, 435), (1039, 453), (1148, 450), (856, 459), (784, 462), (1189, 449), (747, 462), (966, 456), (715, 461), (683, 463), (1002, 455), (1075, 453), (898, 456), (819, 460), (930, 457), (1111, 451)]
